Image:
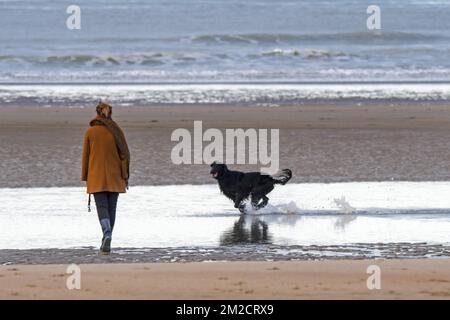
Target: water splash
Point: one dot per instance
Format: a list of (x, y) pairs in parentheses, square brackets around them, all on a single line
[(344, 206), (289, 208)]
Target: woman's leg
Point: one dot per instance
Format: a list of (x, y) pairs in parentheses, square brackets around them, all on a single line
[(102, 204), (112, 206)]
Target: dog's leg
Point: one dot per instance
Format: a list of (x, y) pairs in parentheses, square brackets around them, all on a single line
[(255, 201), (238, 203), (259, 193), (264, 202)]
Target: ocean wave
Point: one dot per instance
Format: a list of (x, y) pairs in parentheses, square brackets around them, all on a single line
[(268, 38), (162, 58), (157, 58), (356, 37)]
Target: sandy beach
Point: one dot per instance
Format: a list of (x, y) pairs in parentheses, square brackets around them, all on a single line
[(400, 279), (42, 146), (361, 100)]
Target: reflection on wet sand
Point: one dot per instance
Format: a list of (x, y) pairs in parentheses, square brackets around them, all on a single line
[(251, 229), (343, 221), (247, 229)]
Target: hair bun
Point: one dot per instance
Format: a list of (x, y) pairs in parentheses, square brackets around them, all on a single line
[(104, 109)]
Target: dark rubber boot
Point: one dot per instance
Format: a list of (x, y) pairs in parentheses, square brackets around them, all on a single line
[(106, 246), (107, 233)]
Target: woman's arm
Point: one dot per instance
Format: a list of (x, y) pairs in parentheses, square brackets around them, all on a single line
[(85, 159)]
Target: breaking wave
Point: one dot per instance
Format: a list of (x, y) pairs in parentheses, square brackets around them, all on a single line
[(156, 58)]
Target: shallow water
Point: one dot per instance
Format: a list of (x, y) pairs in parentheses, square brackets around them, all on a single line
[(198, 215)]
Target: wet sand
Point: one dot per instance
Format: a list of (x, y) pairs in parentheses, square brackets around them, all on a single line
[(243, 252), (400, 279), (41, 147)]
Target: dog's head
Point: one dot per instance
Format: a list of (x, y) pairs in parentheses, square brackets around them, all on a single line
[(218, 170)]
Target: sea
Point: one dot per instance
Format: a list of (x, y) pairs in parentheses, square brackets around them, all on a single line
[(259, 52)]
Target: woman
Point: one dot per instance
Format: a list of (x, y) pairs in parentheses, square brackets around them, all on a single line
[(105, 168)]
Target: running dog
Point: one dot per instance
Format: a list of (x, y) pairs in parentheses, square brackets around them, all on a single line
[(239, 186)]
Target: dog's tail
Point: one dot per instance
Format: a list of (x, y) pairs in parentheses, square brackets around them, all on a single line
[(283, 177)]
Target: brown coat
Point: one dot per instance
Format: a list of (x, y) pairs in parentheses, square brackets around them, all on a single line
[(101, 164)]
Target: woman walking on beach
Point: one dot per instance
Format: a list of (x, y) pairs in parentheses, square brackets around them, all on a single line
[(105, 168)]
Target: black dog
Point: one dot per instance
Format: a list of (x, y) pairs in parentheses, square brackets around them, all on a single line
[(238, 186)]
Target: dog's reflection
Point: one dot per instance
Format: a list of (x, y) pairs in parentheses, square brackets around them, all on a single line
[(246, 229)]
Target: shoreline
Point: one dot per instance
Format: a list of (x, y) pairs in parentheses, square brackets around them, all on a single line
[(222, 93), (228, 253), (344, 279)]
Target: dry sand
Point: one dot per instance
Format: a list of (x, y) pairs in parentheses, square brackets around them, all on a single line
[(41, 147), (400, 279)]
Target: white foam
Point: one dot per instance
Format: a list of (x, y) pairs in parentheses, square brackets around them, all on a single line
[(217, 93)]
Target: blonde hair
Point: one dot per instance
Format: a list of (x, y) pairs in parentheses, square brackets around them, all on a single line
[(104, 110)]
